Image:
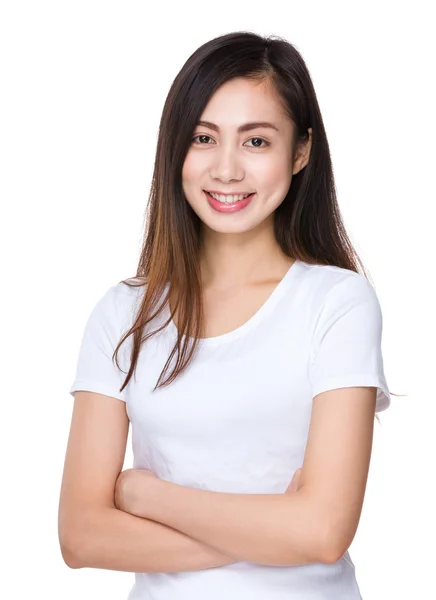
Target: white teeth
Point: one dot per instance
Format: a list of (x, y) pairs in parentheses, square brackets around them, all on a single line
[(228, 199)]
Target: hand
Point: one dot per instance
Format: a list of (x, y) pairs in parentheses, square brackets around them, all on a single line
[(295, 483), (132, 489)]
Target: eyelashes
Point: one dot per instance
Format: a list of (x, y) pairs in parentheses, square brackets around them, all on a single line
[(253, 138)]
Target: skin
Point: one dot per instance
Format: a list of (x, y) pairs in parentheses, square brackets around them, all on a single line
[(140, 493), (240, 247), (131, 484)]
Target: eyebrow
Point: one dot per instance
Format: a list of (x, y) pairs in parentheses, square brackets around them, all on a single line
[(241, 128)]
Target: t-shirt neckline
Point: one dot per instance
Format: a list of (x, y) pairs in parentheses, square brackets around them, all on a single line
[(263, 311)]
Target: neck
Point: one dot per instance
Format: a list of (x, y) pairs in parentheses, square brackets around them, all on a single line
[(231, 260)]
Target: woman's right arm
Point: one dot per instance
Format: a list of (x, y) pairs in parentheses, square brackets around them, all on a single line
[(92, 531)]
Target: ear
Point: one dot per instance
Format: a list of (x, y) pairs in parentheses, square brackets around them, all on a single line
[(303, 154)]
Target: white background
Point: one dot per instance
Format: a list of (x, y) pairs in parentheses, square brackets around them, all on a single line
[(83, 85)]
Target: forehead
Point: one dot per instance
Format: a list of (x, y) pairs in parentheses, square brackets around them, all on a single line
[(241, 100)]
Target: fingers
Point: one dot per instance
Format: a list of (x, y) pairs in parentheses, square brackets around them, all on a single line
[(293, 486)]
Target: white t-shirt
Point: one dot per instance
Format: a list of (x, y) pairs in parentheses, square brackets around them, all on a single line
[(237, 419)]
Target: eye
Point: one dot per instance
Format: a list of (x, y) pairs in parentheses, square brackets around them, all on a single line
[(201, 136), (254, 138), (262, 140)]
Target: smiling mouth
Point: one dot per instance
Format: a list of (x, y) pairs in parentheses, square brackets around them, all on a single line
[(219, 197), (228, 207)]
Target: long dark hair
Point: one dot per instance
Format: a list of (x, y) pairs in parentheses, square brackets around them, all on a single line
[(308, 224)]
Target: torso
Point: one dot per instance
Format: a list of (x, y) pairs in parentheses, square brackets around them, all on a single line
[(236, 421)]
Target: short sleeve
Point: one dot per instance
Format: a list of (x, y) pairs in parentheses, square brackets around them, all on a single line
[(346, 345), (95, 370)]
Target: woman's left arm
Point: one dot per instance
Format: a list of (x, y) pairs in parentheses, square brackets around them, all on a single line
[(317, 523)]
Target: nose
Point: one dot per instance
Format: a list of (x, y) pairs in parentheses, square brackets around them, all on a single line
[(227, 166)]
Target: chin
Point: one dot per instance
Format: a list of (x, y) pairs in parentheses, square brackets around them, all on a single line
[(235, 227)]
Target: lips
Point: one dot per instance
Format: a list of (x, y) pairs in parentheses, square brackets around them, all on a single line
[(224, 207)]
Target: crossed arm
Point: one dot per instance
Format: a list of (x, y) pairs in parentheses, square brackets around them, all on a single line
[(317, 523)]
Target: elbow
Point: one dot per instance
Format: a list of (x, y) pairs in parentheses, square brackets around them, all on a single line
[(331, 555), (328, 546), (333, 547), (79, 537), (323, 534), (70, 558), (70, 553), (73, 541)]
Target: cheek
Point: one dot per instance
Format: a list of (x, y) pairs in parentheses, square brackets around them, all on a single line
[(186, 172), (190, 179), (273, 174), (191, 169)]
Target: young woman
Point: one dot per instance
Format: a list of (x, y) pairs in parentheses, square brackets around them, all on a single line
[(252, 348)]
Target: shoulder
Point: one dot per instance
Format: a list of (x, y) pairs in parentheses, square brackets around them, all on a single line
[(343, 299), (336, 284), (328, 292), (128, 290), (119, 302)]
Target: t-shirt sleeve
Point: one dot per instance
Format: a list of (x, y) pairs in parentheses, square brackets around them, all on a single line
[(346, 345), (95, 371)]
